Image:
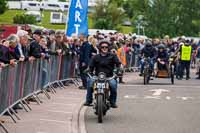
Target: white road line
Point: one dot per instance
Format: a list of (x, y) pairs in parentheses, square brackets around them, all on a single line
[(55, 111), (55, 121), (152, 97), (169, 86), (168, 98), (158, 92), (185, 98), (130, 96)]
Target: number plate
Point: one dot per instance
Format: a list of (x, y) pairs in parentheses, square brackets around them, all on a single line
[(101, 85)]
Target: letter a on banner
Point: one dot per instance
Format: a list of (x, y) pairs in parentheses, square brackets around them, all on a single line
[(77, 18)]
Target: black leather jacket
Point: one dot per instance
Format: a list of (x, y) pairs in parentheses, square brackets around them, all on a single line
[(104, 64)]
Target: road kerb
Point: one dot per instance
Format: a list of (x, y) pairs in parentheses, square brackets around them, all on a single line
[(77, 119), (82, 128)]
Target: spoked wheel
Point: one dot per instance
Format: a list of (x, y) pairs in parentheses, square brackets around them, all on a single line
[(172, 74), (100, 108), (146, 76)]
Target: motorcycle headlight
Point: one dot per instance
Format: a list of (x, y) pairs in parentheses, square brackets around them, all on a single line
[(171, 59), (102, 76)]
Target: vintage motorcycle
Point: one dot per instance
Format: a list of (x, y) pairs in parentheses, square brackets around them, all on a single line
[(101, 94)]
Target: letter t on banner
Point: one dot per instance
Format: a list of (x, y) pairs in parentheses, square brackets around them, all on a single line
[(77, 18)]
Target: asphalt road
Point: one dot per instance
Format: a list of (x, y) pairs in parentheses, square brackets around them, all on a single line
[(156, 108)]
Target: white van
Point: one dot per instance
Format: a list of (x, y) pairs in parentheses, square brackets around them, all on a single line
[(14, 4), (64, 6), (53, 6), (58, 18), (30, 5), (37, 15)]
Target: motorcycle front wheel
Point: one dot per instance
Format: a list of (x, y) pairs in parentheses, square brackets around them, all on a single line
[(100, 108)]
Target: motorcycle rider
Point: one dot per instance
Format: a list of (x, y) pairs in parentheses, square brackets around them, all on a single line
[(162, 57), (104, 62), (148, 52)]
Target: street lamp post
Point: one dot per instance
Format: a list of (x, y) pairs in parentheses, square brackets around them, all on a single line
[(138, 27)]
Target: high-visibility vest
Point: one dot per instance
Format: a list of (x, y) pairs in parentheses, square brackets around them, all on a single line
[(186, 52), (121, 53)]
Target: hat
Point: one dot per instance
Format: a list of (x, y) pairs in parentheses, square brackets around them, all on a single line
[(148, 44), (161, 46), (21, 33), (51, 32), (38, 32), (104, 41)]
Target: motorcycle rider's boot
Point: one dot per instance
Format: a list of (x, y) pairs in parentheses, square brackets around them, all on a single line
[(88, 104), (141, 74), (121, 81), (187, 78), (113, 105)]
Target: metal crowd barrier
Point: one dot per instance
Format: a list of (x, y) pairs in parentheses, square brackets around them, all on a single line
[(132, 59), (27, 79)]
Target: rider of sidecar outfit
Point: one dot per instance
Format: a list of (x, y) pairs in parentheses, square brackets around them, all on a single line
[(149, 51), (162, 57)]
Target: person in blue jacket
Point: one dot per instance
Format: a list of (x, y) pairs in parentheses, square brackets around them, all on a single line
[(86, 51)]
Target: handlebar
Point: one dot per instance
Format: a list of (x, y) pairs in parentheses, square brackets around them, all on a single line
[(96, 78)]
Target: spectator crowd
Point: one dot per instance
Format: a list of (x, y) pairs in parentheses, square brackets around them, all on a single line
[(28, 46)]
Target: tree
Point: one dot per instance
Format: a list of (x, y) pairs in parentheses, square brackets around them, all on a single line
[(171, 17), (160, 17), (3, 6), (107, 15), (188, 16), (100, 15)]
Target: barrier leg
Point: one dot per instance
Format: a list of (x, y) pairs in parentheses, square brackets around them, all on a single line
[(38, 99), (1, 124), (63, 86), (58, 83), (15, 114), (74, 81), (8, 111), (35, 98), (2, 121), (52, 89), (24, 101), (23, 105), (47, 95)]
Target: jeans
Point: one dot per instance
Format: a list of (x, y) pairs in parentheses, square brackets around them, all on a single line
[(83, 76), (65, 67), (142, 64), (113, 90), (45, 73), (185, 65)]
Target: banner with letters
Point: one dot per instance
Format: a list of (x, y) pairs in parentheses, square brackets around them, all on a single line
[(77, 18)]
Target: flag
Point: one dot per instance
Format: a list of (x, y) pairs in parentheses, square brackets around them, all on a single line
[(77, 18)]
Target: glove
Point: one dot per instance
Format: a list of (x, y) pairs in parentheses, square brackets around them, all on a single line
[(115, 71), (86, 71)]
